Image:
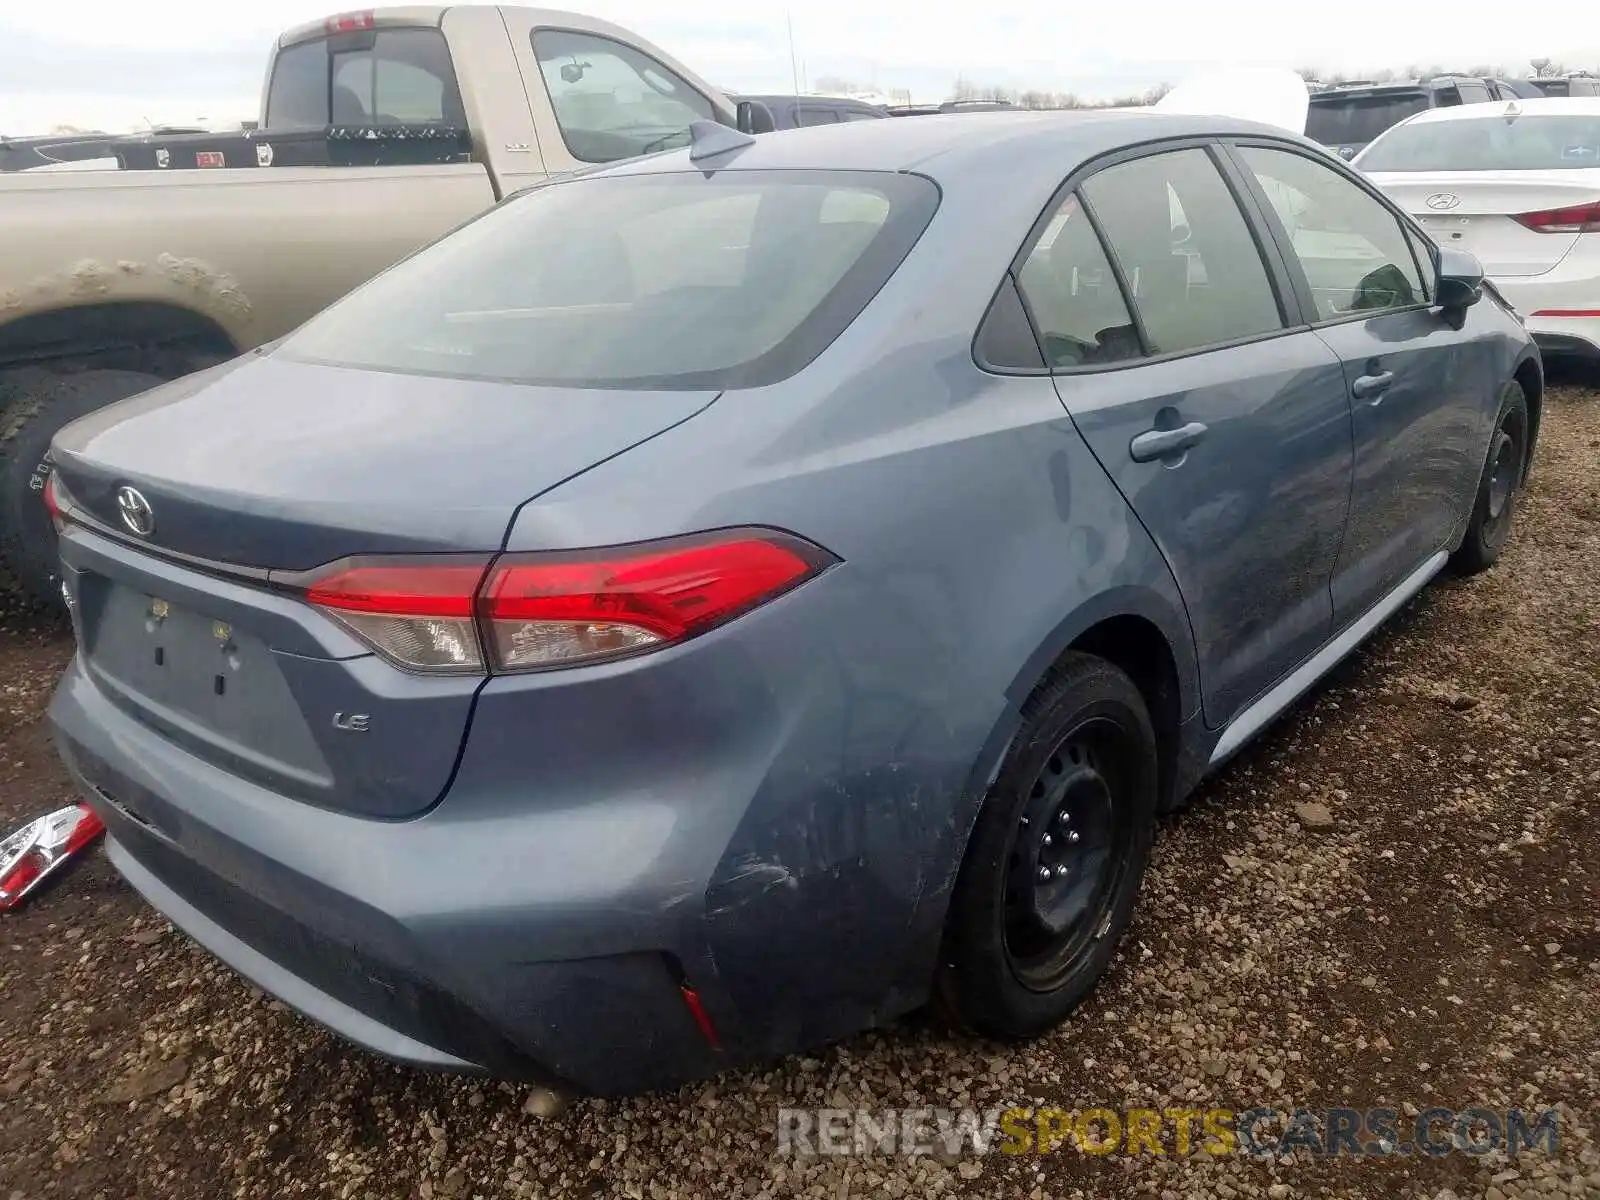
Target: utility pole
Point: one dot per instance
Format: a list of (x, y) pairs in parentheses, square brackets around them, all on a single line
[(794, 67)]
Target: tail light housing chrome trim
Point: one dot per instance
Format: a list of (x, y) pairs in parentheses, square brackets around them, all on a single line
[(548, 610)]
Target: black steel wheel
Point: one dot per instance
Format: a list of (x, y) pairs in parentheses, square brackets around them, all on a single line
[(1055, 861), (1494, 505)]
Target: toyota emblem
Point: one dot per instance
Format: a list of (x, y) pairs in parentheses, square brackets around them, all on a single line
[(1442, 201), (135, 510)]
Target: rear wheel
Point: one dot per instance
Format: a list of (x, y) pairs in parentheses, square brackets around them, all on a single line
[(36, 403), (1495, 503), (1055, 861)]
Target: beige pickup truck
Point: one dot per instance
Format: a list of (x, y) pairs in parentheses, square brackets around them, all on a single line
[(114, 280)]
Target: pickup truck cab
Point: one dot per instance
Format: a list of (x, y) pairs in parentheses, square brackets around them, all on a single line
[(116, 280)]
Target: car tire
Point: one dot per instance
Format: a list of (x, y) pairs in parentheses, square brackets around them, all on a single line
[(1495, 501), (1021, 951), (34, 405)]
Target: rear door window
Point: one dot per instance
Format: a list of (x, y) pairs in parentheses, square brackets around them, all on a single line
[(365, 77), (1472, 91), (1193, 270), (612, 101), (1072, 294), (1354, 251)]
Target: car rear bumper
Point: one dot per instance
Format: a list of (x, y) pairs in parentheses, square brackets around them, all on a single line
[(1561, 313), (365, 943)]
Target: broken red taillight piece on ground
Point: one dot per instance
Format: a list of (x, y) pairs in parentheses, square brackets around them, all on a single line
[(41, 847)]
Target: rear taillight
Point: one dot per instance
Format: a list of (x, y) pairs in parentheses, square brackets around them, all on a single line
[(535, 612), (52, 502), (417, 614), (1578, 218)]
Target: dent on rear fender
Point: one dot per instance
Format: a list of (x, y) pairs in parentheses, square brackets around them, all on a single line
[(818, 910)]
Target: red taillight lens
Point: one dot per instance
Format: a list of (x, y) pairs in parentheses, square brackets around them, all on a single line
[(543, 610), (416, 614), (1578, 218), (33, 852), (52, 502)]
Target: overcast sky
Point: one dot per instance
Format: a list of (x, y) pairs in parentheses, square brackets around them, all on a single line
[(110, 62)]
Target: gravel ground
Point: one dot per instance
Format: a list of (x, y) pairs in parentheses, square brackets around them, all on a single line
[(1393, 899)]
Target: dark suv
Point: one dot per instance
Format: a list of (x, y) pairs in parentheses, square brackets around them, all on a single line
[(1346, 116)]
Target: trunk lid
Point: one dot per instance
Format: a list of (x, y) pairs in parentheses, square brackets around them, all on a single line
[(267, 463), (271, 466), (1474, 210)]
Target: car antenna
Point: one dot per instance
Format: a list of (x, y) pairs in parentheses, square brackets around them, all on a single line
[(1513, 111), (708, 139)]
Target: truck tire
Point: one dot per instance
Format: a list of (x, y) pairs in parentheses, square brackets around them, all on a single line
[(34, 404)]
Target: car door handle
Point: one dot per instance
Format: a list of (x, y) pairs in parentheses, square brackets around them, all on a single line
[(1366, 387), (1164, 443)]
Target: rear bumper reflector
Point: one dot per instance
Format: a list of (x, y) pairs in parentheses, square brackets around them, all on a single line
[(701, 1017)]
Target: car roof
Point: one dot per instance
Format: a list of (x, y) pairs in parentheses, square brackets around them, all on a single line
[(1019, 145), (1547, 106)]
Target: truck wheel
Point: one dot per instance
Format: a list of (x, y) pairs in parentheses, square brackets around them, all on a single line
[(34, 404), (1055, 860)]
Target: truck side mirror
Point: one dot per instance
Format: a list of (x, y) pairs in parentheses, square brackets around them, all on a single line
[(755, 117)]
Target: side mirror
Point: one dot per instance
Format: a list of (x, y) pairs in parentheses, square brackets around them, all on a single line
[(1459, 283), (755, 117)]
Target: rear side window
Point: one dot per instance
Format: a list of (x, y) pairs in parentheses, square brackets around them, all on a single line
[(648, 281), (365, 77), (1354, 251), (1071, 291), (1191, 264), (1357, 120), (1472, 91), (612, 101), (1489, 143)]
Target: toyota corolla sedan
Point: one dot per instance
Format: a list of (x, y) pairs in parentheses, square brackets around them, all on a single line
[(1517, 185), (715, 604)]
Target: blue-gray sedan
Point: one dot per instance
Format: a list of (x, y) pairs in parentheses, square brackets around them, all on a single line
[(711, 605)]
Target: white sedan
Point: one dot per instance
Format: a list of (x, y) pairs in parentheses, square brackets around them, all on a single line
[(1517, 184)]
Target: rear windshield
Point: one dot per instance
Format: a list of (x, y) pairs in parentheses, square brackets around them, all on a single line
[(365, 77), (668, 281), (1489, 143), (1356, 120)]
